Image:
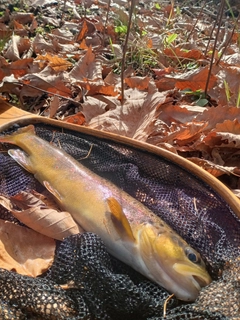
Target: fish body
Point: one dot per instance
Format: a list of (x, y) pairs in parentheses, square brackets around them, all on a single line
[(131, 232)]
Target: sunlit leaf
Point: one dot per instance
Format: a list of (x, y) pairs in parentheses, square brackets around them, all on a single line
[(35, 214), (26, 252)]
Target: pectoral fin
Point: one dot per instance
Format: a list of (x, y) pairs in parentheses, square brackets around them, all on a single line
[(21, 158), (52, 190), (119, 220)]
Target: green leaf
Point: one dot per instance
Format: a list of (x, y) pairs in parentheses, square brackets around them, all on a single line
[(202, 102), (120, 29), (172, 37)]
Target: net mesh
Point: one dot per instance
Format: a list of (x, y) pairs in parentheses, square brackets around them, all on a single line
[(85, 282)]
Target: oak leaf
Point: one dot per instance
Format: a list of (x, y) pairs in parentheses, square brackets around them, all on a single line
[(57, 63)]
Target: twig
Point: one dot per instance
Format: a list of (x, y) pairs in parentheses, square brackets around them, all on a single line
[(214, 25), (88, 154), (220, 14), (165, 305), (133, 3), (228, 41), (198, 17), (45, 91), (106, 21)]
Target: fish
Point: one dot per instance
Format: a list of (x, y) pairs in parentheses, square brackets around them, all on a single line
[(130, 231)]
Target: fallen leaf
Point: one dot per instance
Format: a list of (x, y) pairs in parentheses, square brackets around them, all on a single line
[(98, 87), (140, 83), (185, 133), (35, 214), (211, 167), (194, 80), (40, 45), (23, 17), (135, 118), (17, 68), (87, 68), (87, 29), (77, 118), (24, 251), (178, 53), (57, 63), (53, 106), (218, 115), (44, 80)]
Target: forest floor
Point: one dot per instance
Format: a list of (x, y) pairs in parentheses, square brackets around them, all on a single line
[(178, 88)]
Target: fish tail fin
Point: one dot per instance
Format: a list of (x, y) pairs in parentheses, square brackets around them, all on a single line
[(28, 130)]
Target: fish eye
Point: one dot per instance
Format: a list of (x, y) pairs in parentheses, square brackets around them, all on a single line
[(192, 256)]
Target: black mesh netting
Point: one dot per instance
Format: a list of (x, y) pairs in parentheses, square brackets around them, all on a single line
[(85, 282)]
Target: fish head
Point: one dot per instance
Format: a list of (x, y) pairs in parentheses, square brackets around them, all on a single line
[(172, 263)]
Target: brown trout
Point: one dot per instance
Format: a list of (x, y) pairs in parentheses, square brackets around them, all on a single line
[(130, 231)]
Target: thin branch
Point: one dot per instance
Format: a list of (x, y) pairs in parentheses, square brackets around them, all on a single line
[(133, 3), (228, 41), (106, 21), (198, 17), (220, 15)]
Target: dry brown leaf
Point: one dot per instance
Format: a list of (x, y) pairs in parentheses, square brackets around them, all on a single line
[(40, 45), (57, 63), (165, 84), (17, 68), (95, 106), (174, 113), (184, 134), (218, 115), (53, 106), (215, 169), (230, 126), (87, 28), (225, 134), (34, 213), (20, 30), (232, 59), (87, 68), (22, 17), (162, 72), (136, 118), (194, 80), (140, 83), (77, 118), (177, 53), (46, 81), (23, 250), (83, 45), (12, 51), (98, 87)]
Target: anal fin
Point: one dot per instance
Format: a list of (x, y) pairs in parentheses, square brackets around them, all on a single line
[(119, 220)]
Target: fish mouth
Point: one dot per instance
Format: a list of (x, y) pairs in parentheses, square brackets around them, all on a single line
[(199, 282), (199, 279)]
